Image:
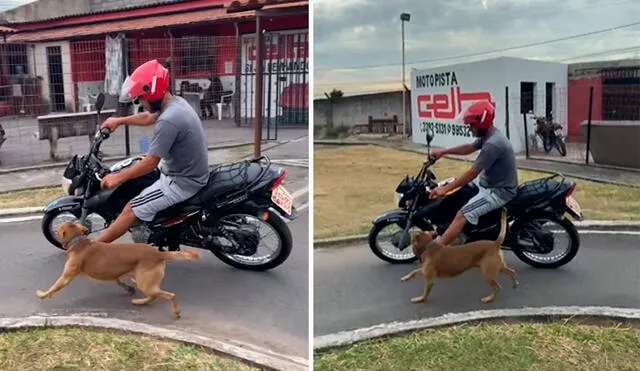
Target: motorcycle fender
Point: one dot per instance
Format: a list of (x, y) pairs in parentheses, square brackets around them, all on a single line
[(398, 216), (64, 203)]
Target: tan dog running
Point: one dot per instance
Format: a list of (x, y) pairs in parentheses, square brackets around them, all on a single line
[(112, 261), (439, 261)]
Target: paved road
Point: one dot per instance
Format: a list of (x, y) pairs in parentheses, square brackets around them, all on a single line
[(354, 289), (268, 309)]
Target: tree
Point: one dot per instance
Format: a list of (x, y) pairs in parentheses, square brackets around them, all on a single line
[(333, 97)]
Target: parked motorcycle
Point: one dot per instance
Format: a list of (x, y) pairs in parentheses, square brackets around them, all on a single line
[(551, 135), (224, 217), (537, 201)]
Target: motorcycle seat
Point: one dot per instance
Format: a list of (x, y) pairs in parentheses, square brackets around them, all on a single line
[(222, 180), (532, 192), (226, 178)]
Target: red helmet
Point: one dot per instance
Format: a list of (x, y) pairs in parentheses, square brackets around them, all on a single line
[(480, 114), (149, 81)]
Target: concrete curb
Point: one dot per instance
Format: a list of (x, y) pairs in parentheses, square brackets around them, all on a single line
[(118, 158), (246, 352), (590, 225), (541, 313), (456, 158)]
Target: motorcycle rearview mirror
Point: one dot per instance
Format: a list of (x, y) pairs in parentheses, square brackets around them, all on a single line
[(99, 102), (429, 139)]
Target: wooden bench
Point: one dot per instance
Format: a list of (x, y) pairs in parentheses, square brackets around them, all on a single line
[(379, 126), (64, 125)]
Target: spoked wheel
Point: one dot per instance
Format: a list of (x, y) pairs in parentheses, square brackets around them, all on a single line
[(561, 146), (383, 242), (270, 241), (53, 220), (547, 242)]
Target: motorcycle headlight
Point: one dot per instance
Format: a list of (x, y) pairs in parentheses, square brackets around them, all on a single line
[(66, 183), (398, 197)]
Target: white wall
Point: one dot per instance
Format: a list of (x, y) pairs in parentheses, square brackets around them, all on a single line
[(42, 69), (476, 77), (522, 70), (491, 76)]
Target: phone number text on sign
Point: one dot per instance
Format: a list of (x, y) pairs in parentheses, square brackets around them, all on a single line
[(446, 128)]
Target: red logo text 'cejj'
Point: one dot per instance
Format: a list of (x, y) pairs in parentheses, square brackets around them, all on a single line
[(446, 107)]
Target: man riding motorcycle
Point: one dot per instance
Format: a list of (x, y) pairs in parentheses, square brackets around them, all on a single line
[(499, 179), (178, 148)]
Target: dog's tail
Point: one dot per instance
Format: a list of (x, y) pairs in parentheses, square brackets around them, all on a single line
[(503, 227), (190, 254)]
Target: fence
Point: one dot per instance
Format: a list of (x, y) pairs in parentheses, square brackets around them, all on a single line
[(599, 125), (47, 93)]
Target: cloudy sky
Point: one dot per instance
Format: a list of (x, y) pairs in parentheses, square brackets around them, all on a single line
[(357, 43), (8, 4)]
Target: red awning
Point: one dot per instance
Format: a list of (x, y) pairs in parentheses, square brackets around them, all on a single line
[(146, 23)]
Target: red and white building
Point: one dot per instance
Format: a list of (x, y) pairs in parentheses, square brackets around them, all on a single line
[(202, 39)]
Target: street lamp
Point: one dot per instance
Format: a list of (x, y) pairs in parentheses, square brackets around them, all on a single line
[(404, 17)]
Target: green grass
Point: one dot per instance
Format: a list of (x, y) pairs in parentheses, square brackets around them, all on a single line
[(504, 347), (82, 349)]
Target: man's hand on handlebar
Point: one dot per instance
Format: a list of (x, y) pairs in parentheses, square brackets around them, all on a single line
[(111, 123), (111, 181), (437, 154)]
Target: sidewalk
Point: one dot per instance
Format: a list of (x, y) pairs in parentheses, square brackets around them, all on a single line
[(39, 178), (628, 178)]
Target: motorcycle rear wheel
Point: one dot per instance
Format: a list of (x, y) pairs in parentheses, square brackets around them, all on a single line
[(574, 240), (285, 246)]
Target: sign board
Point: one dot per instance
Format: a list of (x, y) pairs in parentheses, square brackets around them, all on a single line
[(440, 95), (286, 64)]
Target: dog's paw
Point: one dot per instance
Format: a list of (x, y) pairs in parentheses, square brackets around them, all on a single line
[(405, 278), (177, 315), (41, 294), (516, 283), (418, 299), (488, 299)]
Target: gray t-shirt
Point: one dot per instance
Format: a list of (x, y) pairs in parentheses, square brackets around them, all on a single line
[(498, 163), (178, 139)]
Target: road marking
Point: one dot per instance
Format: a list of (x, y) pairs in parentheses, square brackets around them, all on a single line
[(303, 207), (20, 219)]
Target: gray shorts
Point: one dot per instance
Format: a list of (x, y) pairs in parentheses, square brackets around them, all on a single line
[(481, 204), (157, 197)]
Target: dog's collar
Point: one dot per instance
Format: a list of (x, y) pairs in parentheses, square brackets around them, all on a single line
[(74, 241), (425, 248)]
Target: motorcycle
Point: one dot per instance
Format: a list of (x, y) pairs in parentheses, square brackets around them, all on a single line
[(224, 217), (551, 135), (537, 201)]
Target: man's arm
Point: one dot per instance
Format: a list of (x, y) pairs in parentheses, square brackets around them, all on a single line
[(465, 149), (139, 119), (463, 180), (145, 166)]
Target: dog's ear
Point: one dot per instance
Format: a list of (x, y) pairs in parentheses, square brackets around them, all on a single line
[(83, 229)]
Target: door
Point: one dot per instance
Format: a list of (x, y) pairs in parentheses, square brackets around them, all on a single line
[(549, 88), (56, 78)]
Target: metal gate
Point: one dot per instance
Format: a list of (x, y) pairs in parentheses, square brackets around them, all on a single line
[(285, 81)]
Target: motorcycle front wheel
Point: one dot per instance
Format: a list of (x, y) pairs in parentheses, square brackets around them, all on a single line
[(561, 146), (389, 252)]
